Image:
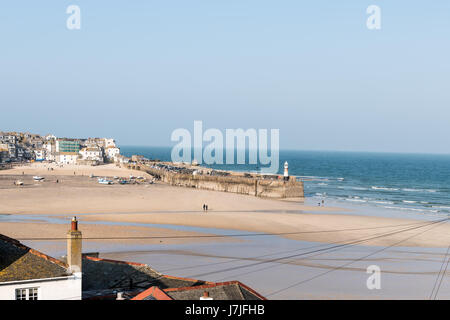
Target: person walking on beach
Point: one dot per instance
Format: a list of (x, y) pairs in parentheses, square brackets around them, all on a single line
[(204, 207)]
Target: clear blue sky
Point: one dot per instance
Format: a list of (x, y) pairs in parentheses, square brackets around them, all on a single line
[(139, 69)]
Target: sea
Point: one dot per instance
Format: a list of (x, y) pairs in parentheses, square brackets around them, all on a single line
[(401, 183)]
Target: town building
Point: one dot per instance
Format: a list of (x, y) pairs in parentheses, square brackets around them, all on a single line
[(40, 154), (94, 154), (50, 150), (66, 145), (4, 153), (67, 157), (23, 147), (112, 154), (27, 274)]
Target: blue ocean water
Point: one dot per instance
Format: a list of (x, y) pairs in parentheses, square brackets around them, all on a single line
[(417, 183)]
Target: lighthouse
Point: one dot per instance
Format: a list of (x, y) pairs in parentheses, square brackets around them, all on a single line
[(286, 172)]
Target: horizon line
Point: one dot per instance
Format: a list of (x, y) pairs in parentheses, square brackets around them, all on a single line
[(317, 150)]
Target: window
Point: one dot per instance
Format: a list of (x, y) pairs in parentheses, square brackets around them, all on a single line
[(27, 294)]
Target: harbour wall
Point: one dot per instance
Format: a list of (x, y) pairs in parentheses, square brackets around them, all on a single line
[(266, 188)]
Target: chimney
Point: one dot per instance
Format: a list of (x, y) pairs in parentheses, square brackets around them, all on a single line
[(206, 296), (74, 247), (120, 296)]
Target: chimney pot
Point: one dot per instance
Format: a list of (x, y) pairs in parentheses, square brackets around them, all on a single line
[(74, 224), (206, 296), (120, 296)]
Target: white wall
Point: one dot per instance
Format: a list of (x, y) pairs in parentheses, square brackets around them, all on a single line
[(65, 288)]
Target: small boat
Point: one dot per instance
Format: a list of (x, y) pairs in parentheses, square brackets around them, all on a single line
[(105, 181), (123, 181), (18, 183), (132, 177), (37, 178)]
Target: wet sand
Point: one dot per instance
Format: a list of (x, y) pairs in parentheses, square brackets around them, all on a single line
[(103, 233)]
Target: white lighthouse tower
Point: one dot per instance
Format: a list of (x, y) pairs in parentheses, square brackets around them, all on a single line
[(286, 171)]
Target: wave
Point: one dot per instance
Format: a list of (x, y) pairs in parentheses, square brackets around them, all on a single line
[(384, 188), (441, 207), (358, 188), (356, 200), (412, 209), (352, 188), (409, 201), (314, 178), (383, 202), (418, 190)]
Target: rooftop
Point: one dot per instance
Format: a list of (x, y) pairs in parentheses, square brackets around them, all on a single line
[(233, 290), (103, 277), (19, 262)]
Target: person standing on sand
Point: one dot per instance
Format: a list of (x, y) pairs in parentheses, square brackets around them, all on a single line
[(204, 207)]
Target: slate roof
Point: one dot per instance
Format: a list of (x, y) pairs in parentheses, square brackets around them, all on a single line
[(19, 262), (233, 290), (104, 277)]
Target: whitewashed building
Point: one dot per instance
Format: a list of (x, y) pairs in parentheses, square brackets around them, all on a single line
[(67, 157), (109, 142), (92, 154), (40, 154), (112, 153)]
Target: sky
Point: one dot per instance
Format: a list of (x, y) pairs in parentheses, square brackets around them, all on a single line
[(138, 70)]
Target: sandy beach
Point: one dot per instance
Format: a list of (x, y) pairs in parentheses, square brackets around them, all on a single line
[(164, 226), (78, 194)]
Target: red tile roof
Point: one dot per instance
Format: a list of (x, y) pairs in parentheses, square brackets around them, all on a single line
[(154, 292), (164, 294)]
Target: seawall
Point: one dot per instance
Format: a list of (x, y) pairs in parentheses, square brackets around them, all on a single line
[(259, 187)]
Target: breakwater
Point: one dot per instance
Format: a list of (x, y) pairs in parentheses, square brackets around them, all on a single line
[(255, 186)]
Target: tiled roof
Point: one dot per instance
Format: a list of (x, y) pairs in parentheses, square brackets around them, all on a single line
[(233, 290), (19, 262), (104, 274), (153, 293)]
